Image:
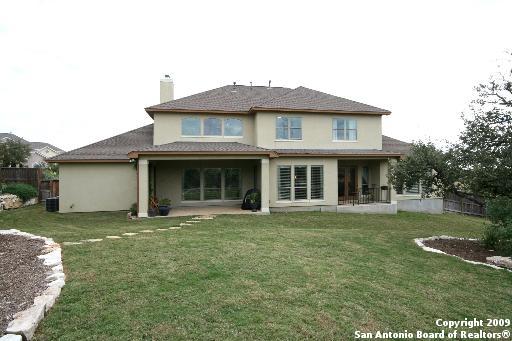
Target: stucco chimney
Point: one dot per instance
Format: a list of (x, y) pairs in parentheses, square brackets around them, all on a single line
[(166, 89)]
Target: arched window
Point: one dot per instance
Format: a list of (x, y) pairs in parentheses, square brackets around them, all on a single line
[(233, 127)]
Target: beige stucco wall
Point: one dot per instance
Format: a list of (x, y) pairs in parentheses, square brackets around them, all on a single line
[(169, 178), (89, 187), (167, 128), (260, 130), (317, 131)]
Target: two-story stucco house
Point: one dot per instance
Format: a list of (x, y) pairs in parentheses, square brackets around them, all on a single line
[(301, 148)]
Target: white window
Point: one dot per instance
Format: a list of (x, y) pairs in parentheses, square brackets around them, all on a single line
[(284, 178), (191, 126), (344, 129), (212, 127), (288, 128), (300, 182), (317, 182), (233, 127)]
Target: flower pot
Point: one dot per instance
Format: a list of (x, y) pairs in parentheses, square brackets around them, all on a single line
[(164, 210), (151, 212), (254, 206)]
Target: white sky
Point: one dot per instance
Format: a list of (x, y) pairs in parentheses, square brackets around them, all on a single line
[(74, 72)]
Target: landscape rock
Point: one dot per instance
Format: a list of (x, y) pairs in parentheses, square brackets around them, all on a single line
[(11, 201), (25, 322), (113, 237), (505, 262), (11, 337)]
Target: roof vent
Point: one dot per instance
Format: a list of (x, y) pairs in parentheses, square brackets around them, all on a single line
[(234, 87), (269, 82)]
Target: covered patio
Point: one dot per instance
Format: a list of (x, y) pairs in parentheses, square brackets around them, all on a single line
[(202, 178)]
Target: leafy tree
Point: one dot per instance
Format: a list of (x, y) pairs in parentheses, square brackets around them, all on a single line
[(13, 153), (481, 161), (429, 165), (484, 150)]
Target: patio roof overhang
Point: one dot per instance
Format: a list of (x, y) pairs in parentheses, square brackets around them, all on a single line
[(137, 154)]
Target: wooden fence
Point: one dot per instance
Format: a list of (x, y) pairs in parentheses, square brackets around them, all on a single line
[(31, 176), (464, 203)]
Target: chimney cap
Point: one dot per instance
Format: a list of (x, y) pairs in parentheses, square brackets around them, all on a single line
[(167, 78)]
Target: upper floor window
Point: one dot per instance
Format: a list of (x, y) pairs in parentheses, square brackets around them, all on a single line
[(191, 126), (212, 127), (233, 127), (288, 128), (344, 129)]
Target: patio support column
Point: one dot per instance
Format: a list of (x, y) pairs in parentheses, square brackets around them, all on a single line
[(265, 186), (143, 188)]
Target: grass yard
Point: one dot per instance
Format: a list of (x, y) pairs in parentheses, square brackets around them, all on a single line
[(282, 276)]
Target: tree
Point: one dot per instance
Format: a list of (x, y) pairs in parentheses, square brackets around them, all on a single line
[(481, 161), (429, 165), (484, 150), (13, 153)]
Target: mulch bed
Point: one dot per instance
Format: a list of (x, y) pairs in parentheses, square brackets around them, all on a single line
[(467, 249), (22, 275)]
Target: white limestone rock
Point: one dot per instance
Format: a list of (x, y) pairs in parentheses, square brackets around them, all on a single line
[(11, 201), (146, 231), (11, 337), (130, 234), (25, 322), (505, 262), (113, 237)]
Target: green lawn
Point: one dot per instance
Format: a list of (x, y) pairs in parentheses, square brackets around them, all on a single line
[(281, 276)]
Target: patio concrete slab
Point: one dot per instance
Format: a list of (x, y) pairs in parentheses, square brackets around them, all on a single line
[(207, 211)]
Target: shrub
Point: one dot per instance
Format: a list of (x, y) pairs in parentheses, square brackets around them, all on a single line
[(23, 191), (164, 202), (133, 209), (498, 235)]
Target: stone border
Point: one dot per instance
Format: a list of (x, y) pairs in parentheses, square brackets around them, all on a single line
[(25, 322), (419, 242)]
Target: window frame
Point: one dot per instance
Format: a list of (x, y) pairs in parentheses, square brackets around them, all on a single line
[(224, 183), (345, 129), (322, 182), (279, 183), (192, 118), (183, 185), (232, 119), (288, 128), (216, 119)]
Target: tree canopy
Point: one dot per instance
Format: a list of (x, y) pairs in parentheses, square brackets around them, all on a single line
[(13, 153), (481, 161)]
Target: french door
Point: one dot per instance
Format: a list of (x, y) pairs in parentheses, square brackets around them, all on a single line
[(347, 182), (211, 184)]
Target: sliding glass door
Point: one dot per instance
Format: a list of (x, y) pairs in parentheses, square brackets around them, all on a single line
[(211, 184)]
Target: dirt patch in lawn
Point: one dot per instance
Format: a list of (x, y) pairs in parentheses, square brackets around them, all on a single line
[(472, 250), (22, 275)]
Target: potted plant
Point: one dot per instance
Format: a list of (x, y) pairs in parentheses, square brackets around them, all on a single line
[(164, 206), (153, 207), (254, 199)]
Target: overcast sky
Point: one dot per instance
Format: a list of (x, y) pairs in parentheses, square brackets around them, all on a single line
[(75, 72)]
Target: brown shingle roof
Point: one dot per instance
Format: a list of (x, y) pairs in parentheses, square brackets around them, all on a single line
[(114, 148), (245, 99), (303, 98), (202, 148), (118, 147)]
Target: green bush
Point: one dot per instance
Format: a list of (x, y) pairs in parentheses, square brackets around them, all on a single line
[(499, 210), (498, 235), (133, 209), (23, 191)]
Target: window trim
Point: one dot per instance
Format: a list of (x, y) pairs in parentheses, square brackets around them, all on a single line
[(224, 127), (200, 126), (288, 129), (221, 126), (345, 129)]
